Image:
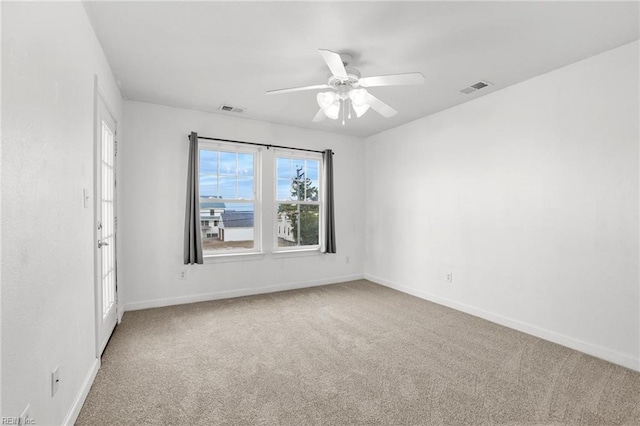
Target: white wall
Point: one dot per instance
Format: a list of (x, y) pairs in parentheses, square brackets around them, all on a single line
[(153, 170), (49, 58), (529, 196)]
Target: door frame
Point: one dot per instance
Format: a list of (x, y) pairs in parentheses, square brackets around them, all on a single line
[(100, 97)]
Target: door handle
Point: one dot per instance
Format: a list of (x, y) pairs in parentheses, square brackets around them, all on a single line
[(102, 243)]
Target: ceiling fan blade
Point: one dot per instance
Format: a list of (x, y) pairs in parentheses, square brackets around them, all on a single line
[(379, 106), (334, 62), (297, 89), (392, 80), (320, 116)]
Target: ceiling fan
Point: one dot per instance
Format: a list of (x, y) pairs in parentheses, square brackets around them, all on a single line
[(349, 90)]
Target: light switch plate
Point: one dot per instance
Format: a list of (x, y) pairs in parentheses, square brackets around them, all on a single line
[(55, 381)]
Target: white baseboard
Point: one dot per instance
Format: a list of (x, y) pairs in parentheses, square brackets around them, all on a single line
[(561, 339), (227, 294), (73, 413)]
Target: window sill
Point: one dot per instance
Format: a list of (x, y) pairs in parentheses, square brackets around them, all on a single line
[(240, 257), (233, 257), (284, 254)]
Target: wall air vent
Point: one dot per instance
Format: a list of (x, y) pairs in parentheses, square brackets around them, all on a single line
[(475, 87), (229, 108)]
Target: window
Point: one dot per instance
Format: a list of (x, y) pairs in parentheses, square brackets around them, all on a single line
[(232, 209), (229, 198), (297, 200)]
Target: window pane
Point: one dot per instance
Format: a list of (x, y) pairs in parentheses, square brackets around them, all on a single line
[(228, 163), (284, 189), (245, 188), (310, 189), (313, 167), (287, 217), (227, 187), (208, 162), (313, 174), (296, 190), (228, 227), (284, 168), (312, 195), (245, 164), (208, 186), (309, 225), (297, 168), (298, 225)]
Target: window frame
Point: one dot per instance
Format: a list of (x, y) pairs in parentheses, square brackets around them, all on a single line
[(257, 194), (298, 155)]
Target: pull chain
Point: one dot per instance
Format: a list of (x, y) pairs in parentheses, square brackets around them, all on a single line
[(349, 109)]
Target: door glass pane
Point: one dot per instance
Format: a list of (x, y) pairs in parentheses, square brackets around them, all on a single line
[(107, 251)]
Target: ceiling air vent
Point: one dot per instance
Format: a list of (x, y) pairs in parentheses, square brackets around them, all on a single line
[(475, 87), (229, 108)]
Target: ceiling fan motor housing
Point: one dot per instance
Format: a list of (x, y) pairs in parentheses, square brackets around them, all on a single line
[(352, 81)]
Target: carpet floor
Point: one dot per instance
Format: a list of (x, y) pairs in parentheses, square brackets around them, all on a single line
[(346, 354)]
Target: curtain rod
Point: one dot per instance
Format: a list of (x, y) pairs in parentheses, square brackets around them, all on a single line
[(259, 144)]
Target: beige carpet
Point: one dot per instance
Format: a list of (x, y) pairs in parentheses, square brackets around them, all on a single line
[(346, 354)]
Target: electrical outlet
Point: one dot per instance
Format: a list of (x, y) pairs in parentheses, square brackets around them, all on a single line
[(25, 417), (183, 275), (55, 381), (449, 277)]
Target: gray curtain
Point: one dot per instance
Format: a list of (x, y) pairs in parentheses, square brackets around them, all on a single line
[(192, 237), (329, 217)]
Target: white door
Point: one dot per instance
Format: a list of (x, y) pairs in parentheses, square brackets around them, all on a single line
[(106, 289)]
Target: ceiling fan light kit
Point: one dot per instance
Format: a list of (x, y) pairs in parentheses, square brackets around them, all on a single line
[(329, 103), (348, 89), (345, 97)]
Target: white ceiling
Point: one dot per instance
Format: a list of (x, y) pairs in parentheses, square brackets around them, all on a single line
[(199, 55)]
